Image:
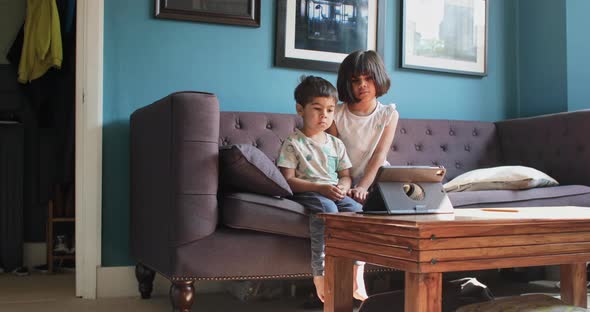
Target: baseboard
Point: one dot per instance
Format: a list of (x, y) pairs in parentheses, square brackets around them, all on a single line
[(120, 282), (34, 254)]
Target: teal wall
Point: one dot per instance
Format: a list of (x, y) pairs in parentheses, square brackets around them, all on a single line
[(578, 52), (542, 68), (553, 64), (146, 59)]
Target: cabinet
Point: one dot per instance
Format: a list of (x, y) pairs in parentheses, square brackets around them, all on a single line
[(59, 224)]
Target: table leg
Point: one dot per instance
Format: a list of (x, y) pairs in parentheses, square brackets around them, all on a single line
[(423, 292), (338, 284), (573, 284)]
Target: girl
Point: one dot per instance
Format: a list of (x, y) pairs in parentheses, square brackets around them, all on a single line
[(364, 125)]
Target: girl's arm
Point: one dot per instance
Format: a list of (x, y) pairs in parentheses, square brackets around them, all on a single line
[(377, 159), (298, 185)]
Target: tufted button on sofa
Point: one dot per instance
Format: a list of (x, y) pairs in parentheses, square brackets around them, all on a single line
[(185, 229)]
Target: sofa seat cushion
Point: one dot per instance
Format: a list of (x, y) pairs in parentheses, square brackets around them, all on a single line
[(568, 195), (264, 214)]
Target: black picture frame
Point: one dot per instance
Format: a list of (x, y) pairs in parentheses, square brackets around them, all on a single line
[(243, 13), (303, 58), (436, 36)]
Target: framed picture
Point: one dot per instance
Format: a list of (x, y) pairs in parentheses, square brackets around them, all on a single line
[(445, 35), (319, 34), (234, 12)]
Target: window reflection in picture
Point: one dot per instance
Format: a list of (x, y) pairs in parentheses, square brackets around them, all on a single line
[(332, 26)]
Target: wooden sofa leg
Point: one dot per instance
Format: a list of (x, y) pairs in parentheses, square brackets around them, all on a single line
[(145, 278), (182, 295)]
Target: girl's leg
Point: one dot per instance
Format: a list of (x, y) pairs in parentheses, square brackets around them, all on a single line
[(358, 276), (359, 291)]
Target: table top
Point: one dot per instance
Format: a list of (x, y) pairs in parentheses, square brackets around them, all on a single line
[(473, 215), (469, 222)]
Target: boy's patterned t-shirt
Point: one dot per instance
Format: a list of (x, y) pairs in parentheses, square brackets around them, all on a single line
[(313, 161)]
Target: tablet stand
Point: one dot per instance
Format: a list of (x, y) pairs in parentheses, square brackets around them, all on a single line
[(392, 198)]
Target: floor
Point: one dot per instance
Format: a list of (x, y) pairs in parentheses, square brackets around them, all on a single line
[(52, 293)]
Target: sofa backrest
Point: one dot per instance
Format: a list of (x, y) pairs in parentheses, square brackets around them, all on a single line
[(556, 144), (459, 146)]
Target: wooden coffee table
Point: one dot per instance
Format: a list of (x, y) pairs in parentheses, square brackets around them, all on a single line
[(425, 246)]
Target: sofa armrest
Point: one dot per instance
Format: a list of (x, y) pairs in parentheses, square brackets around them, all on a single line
[(557, 144), (174, 174)]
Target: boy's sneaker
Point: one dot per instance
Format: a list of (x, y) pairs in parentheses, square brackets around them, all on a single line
[(21, 271)]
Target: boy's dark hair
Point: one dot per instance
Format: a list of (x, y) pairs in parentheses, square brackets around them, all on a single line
[(311, 86), (361, 63)]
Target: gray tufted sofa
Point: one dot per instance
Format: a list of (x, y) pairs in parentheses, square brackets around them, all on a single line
[(183, 228)]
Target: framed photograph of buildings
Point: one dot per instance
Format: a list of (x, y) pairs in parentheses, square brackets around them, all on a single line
[(233, 12), (319, 34), (445, 35)]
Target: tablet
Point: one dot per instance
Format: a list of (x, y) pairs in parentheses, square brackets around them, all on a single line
[(410, 174), (408, 190)]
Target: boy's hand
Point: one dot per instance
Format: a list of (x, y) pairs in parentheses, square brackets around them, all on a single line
[(343, 188), (331, 191), (359, 194)]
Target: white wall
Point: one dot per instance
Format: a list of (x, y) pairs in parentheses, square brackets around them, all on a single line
[(12, 16)]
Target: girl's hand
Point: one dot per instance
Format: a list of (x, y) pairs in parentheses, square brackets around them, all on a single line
[(359, 194), (331, 192)]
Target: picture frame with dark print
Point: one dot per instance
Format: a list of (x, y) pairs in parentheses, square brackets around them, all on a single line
[(319, 34), (233, 12)]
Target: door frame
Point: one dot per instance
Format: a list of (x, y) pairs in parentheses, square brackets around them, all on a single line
[(88, 154)]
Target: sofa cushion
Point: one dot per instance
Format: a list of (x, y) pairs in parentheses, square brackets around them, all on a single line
[(500, 178), (567, 195), (265, 214), (246, 168)]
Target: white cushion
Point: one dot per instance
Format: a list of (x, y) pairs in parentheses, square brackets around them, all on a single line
[(500, 178)]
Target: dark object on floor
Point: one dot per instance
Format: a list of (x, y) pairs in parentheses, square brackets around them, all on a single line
[(523, 275), (21, 271), (533, 302), (255, 290), (456, 293), (42, 268)]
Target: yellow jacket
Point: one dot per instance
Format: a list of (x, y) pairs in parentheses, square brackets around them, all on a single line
[(42, 41)]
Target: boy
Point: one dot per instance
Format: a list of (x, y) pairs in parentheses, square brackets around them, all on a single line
[(316, 166)]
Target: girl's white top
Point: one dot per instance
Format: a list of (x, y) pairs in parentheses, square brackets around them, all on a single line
[(361, 134)]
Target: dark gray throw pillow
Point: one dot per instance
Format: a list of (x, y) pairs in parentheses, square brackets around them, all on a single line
[(246, 168)]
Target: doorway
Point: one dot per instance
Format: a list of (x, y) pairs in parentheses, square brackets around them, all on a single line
[(37, 118)]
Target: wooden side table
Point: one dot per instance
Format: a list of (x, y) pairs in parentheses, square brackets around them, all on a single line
[(425, 246)]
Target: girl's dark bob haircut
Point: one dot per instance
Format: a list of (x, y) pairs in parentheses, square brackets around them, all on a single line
[(361, 63)]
